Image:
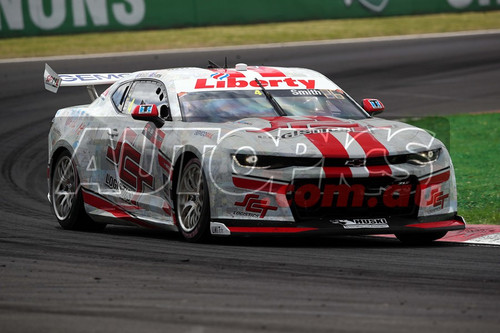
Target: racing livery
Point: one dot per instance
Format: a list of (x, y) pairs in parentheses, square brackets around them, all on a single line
[(241, 151)]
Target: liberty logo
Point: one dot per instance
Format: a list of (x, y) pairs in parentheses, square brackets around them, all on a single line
[(376, 6)]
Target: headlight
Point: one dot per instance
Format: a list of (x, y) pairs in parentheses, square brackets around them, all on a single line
[(252, 161), (423, 157), (275, 162), (259, 161)]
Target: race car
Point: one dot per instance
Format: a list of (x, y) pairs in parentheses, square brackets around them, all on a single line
[(249, 150)]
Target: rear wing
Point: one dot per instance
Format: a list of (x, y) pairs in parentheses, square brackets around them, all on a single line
[(53, 81)]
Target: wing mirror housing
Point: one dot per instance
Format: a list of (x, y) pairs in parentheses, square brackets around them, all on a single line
[(373, 106), (148, 112), (165, 112)]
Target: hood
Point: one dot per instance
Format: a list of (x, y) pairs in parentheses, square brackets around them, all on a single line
[(327, 137)]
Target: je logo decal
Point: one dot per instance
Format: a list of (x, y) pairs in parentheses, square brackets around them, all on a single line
[(373, 5), (253, 204)]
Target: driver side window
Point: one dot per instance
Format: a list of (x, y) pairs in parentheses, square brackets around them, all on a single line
[(145, 92)]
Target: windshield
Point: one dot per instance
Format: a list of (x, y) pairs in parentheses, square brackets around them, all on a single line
[(232, 105)]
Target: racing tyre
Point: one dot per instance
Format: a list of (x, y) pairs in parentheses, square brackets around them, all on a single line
[(66, 197), (192, 203), (420, 238)]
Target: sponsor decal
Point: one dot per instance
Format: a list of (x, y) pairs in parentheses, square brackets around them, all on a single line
[(220, 229), (232, 83), (219, 76), (296, 133), (149, 75), (254, 206), (311, 92), (52, 81), (375, 103), (145, 109), (124, 193), (434, 198), (91, 77), (204, 134), (362, 223), (432, 195), (437, 198)]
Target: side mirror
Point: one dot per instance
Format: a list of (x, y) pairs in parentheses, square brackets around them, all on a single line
[(373, 106), (165, 112), (147, 112)]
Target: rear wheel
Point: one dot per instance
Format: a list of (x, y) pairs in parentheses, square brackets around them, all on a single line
[(66, 197), (420, 238), (192, 202)]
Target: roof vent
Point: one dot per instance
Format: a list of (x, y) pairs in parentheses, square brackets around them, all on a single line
[(241, 67)]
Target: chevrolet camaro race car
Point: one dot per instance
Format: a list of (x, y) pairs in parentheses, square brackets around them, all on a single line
[(242, 151)]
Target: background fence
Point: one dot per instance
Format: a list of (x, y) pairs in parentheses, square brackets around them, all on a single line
[(49, 17)]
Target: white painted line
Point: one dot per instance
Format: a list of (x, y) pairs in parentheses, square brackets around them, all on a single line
[(474, 234), (257, 46), (493, 239)]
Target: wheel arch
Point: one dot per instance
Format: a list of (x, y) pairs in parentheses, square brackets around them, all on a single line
[(200, 230), (181, 160), (61, 148)]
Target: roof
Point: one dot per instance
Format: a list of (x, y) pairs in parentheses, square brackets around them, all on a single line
[(240, 77)]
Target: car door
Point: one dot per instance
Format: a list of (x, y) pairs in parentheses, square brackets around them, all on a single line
[(133, 154)]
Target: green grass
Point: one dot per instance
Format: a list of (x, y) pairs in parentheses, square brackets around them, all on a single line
[(244, 34), (474, 143)]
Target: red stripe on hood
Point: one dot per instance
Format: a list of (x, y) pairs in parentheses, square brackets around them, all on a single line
[(331, 147), (372, 148)]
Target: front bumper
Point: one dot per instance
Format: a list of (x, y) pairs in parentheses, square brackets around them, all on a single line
[(355, 226)]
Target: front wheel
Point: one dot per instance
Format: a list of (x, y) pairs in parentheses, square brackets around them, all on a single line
[(66, 197), (420, 238), (192, 202)]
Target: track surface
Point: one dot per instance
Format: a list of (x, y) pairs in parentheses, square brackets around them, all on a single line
[(131, 280)]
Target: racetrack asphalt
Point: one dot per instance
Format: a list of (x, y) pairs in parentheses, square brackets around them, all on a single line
[(131, 280)]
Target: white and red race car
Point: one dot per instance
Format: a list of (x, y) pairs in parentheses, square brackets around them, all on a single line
[(241, 151)]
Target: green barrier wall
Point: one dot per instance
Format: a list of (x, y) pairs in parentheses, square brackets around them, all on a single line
[(49, 17)]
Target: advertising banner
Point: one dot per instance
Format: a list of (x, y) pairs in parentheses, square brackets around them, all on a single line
[(49, 17)]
